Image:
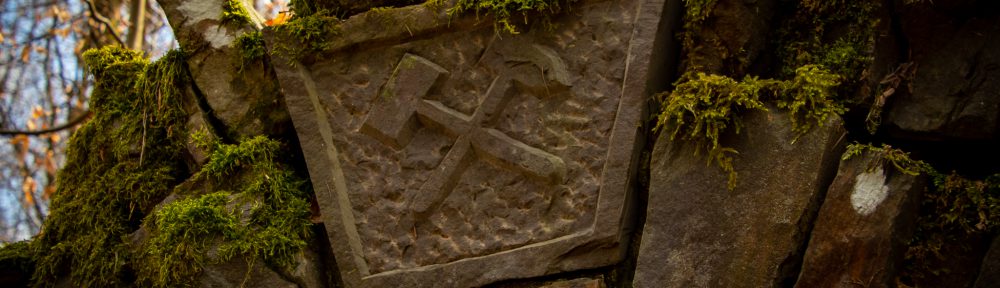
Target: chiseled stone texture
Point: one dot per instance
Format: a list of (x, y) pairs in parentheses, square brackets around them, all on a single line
[(444, 154), (700, 234), (862, 228)]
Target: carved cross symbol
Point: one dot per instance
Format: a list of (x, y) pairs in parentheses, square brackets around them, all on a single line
[(401, 106)]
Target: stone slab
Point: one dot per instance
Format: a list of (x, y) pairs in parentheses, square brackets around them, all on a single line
[(700, 234), (863, 227), (444, 154)]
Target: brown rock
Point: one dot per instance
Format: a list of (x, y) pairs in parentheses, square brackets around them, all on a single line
[(861, 232), (576, 283), (700, 234), (248, 101), (444, 155), (238, 273)]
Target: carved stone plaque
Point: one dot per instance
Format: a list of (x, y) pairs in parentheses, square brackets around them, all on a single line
[(444, 154)]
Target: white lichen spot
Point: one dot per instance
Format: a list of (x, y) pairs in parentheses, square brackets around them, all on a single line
[(869, 191)]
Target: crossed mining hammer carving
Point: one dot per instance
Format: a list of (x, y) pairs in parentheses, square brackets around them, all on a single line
[(398, 110)]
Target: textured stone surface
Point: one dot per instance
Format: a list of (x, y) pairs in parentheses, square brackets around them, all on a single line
[(700, 234), (862, 228), (989, 273), (576, 283), (246, 101), (445, 155), (238, 273), (956, 90)]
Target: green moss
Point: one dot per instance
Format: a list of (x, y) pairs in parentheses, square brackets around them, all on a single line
[(17, 259), (303, 8), (509, 13), (251, 49), (702, 107), (806, 38), (307, 34), (696, 11), (809, 97), (119, 164), (277, 228), (234, 14), (184, 231), (887, 154)]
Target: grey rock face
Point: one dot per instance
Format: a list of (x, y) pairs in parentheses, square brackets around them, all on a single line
[(700, 234), (239, 273), (246, 101), (862, 228), (956, 90), (445, 155)]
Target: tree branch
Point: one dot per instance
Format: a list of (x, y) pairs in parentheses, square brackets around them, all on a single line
[(67, 125), (104, 20)]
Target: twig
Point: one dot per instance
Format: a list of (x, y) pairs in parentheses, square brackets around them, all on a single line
[(105, 21), (142, 151), (65, 126)]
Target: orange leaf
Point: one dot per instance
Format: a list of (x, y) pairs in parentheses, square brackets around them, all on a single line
[(37, 112), (280, 19), (28, 187), (26, 53)]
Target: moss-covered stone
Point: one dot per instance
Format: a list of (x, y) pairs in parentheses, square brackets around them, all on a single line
[(702, 107), (954, 209), (311, 34), (251, 49), (234, 14), (119, 164), (259, 210), (508, 14)]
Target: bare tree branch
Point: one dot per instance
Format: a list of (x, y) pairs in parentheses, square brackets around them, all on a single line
[(67, 125), (104, 20)]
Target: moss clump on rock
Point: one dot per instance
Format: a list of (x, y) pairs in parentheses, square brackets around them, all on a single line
[(310, 34), (247, 178), (508, 13), (119, 164), (251, 48), (702, 107), (234, 14)]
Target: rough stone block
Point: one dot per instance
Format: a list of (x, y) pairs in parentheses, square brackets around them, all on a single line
[(444, 154), (700, 234), (955, 93), (861, 232)]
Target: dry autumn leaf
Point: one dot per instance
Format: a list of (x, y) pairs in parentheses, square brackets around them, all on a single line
[(278, 20), (28, 187)]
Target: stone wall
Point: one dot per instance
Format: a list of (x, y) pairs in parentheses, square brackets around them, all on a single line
[(446, 149)]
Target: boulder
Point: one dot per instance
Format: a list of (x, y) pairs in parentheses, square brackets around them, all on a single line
[(700, 234), (246, 101), (863, 227), (955, 93)]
